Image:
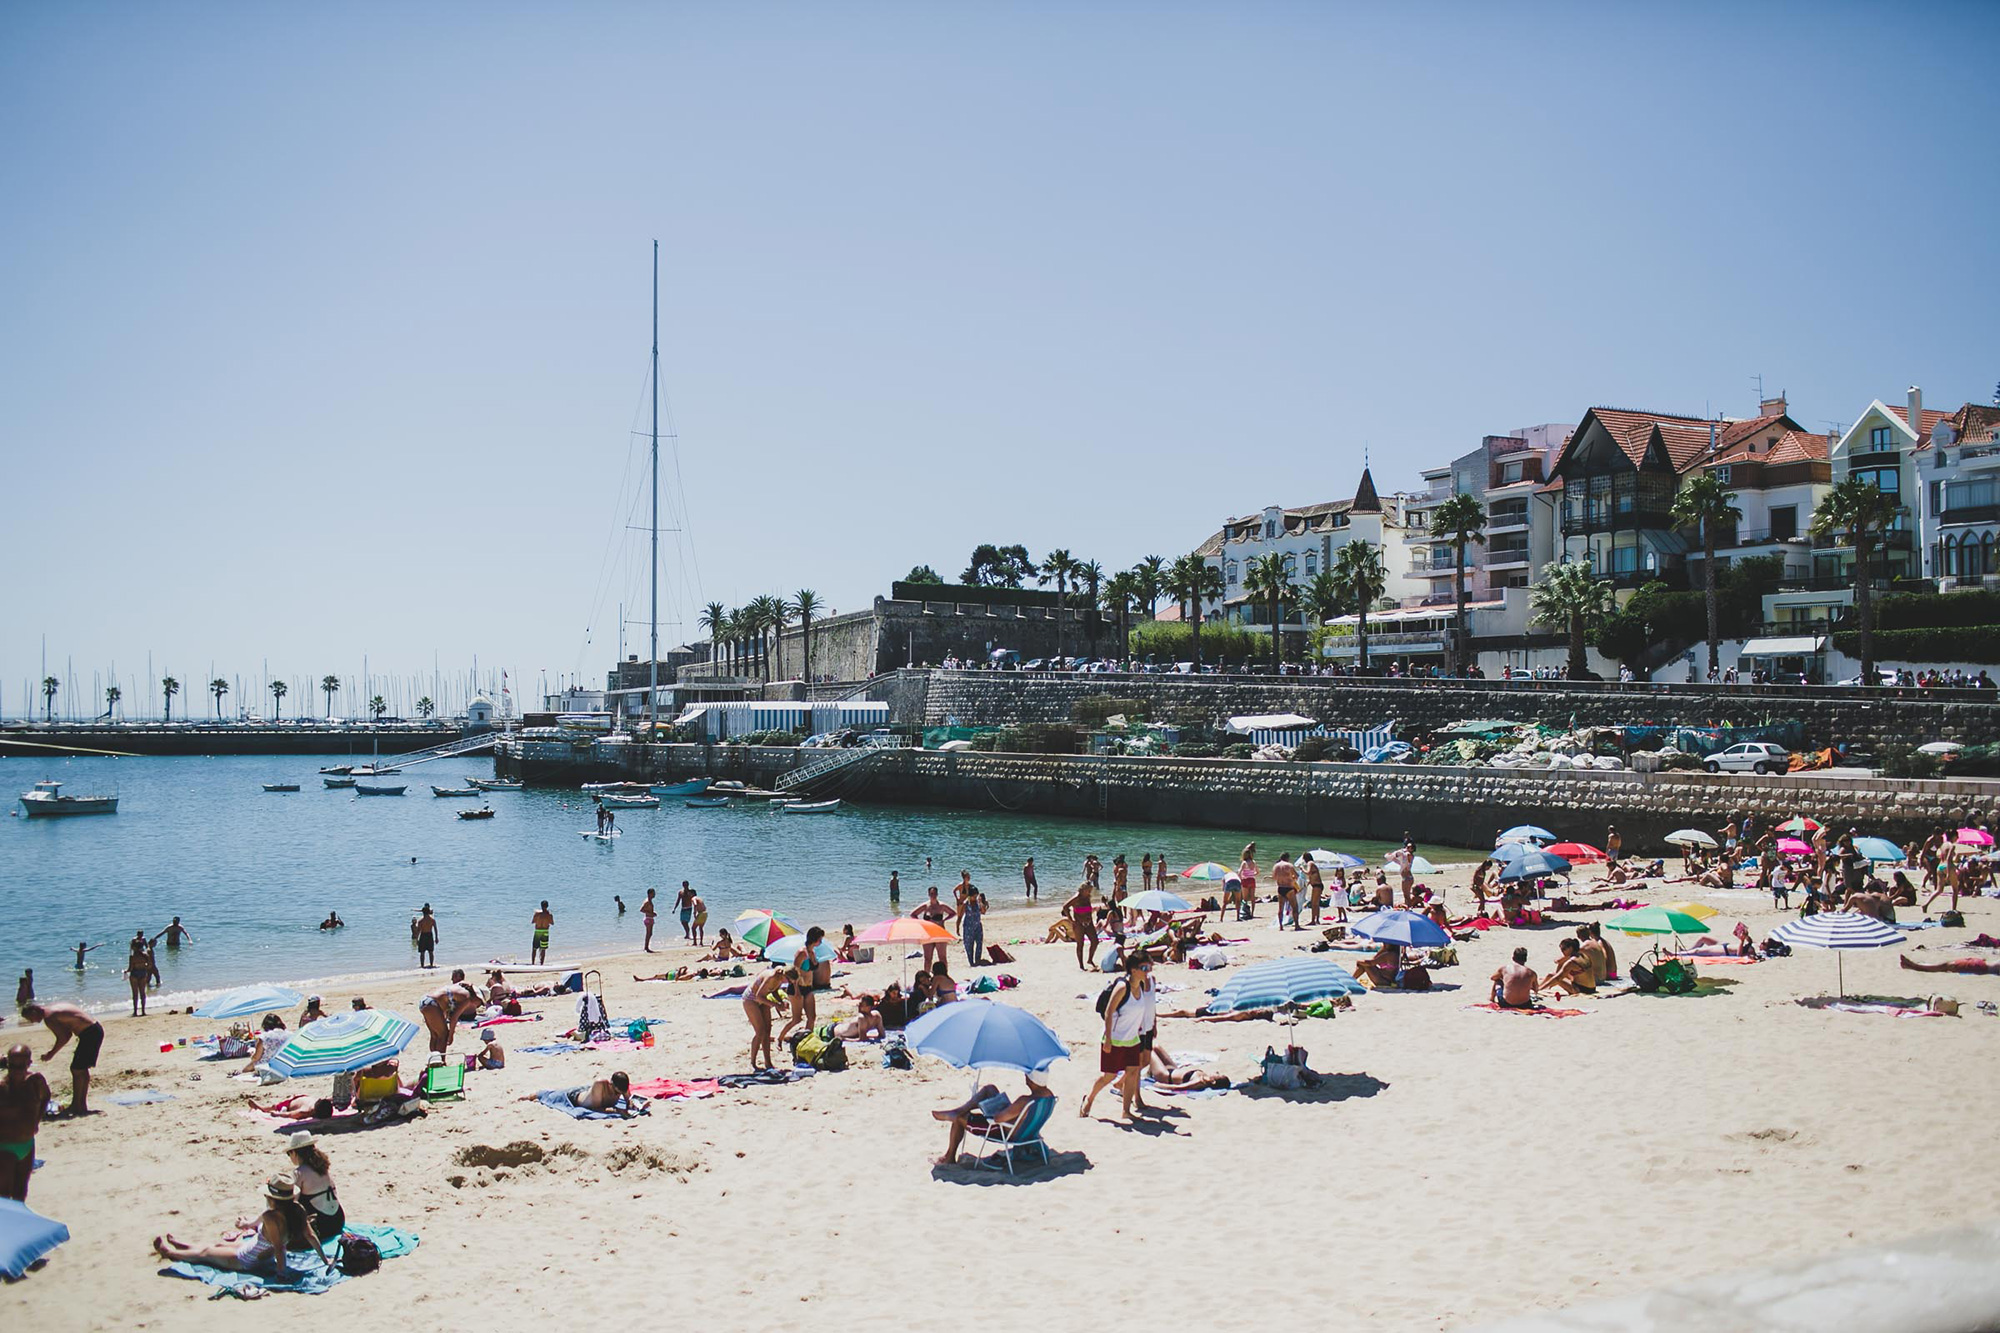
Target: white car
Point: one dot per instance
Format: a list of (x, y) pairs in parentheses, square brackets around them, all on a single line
[(1750, 757)]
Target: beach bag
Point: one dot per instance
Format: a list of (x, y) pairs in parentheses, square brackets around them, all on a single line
[(1445, 957), (1676, 977), (358, 1255), (637, 1029), (1643, 978), (591, 1023), (1414, 978), (1278, 1073), (895, 1055), (813, 1045), (832, 1058), (1777, 948), (996, 954), (1952, 919), (983, 986), (1008, 981)]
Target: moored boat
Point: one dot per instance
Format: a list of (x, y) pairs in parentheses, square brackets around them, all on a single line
[(341, 770), (281, 786), (809, 807), (494, 784), (706, 803), (363, 789), (47, 800), (454, 791), (615, 788), (483, 812), (621, 802), (692, 788), (338, 782)]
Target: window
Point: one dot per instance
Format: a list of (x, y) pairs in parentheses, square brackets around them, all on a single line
[(1270, 527), (1312, 563), (1229, 573), (1784, 522), (1292, 567), (1721, 474), (1511, 472), (1888, 480), (1882, 437)]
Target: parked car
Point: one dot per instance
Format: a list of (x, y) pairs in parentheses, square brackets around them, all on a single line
[(1750, 757)]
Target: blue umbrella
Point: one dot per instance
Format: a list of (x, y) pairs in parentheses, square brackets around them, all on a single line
[(1157, 900), (249, 1000), (1395, 926), (25, 1236), (789, 948), (1511, 851), (343, 1043), (1879, 849), (1533, 866), (1527, 833), (1284, 981), (982, 1034)]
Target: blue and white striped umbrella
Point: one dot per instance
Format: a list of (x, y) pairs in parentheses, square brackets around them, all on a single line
[(1284, 981), (343, 1043), (1839, 930), (1395, 926), (249, 1000), (1329, 860)]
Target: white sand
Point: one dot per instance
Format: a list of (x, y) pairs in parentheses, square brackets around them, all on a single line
[(1467, 1165)]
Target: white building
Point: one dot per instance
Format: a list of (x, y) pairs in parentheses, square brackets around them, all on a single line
[(1959, 498), (1505, 472)]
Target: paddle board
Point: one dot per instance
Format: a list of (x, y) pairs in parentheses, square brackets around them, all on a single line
[(601, 837)]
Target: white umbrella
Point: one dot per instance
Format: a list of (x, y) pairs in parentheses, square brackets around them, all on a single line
[(1839, 930), (1682, 837), (1940, 747)]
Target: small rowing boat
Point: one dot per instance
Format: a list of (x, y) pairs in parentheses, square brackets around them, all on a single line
[(621, 802), (809, 807), (494, 784), (281, 786), (363, 789), (339, 782), (616, 788), (694, 787), (484, 812), (454, 791), (706, 803)]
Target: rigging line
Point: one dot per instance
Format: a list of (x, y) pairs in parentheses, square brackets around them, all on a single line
[(611, 543)]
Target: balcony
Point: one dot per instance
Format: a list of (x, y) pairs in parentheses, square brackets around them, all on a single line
[(1969, 513), (1497, 523), (1895, 539), (1622, 519), (1979, 458)]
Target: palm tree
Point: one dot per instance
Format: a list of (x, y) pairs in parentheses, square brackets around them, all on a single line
[(778, 612), (278, 691), (425, 707), (805, 605), (1265, 578), (1191, 581), (1462, 519), (1322, 596), (1057, 570), (1861, 512), (1572, 597), (1151, 574), (715, 619), (1090, 575), (169, 687), (50, 687), (378, 706), (1704, 502), (1358, 569), (112, 694), (1117, 596), (329, 686), (218, 687)]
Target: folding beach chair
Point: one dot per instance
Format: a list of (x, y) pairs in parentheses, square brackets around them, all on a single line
[(1023, 1135), (444, 1083)]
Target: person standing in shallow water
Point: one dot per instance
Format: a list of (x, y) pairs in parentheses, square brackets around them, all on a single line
[(543, 920), (649, 910), (139, 973), (426, 931)]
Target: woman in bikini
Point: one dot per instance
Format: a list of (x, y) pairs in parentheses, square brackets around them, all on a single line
[(1315, 890), (759, 999), (1146, 870), (1246, 902), (442, 1010), (1083, 917), (314, 1186)]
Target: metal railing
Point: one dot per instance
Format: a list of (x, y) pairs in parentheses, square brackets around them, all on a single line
[(838, 762)]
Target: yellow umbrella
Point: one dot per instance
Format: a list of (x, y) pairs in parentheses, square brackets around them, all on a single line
[(1700, 910)]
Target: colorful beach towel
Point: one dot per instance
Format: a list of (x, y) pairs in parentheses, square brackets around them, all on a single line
[(308, 1277), (560, 1099), (1532, 1013), (761, 1077), (509, 1018)]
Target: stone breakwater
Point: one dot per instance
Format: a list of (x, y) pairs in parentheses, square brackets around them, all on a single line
[(1455, 806)]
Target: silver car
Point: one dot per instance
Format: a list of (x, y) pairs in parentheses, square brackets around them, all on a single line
[(1750, 757)]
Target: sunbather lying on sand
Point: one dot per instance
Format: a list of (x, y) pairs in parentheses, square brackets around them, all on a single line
[(864, 1026), (1163, 1071), (1233, 1016), (1740, 946), (295, 1108), (613, 1095), (1972, 967)]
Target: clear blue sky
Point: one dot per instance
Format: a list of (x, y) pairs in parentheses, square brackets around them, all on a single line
[(324, 329)]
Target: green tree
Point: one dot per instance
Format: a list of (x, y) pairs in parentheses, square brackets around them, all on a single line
[(1090, 580), (169, 687), (805, 605), (1460, 519), (1151, 577), (1192, 581), (922, 574), (998, 566), (1704, 503), (715, 619), (50, 687), (1861, 512), (1571, 597), (378, 706), (1057, 569), (425, 707), (278, 691), (218, 687), (769, 616), (1322, 597), (112, 694), (1361, 576), (329, 686), (1266, 580)]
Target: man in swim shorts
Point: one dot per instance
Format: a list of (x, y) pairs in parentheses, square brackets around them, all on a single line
[(538, 951), (1514, 983), (684, 908), (426, 930), (67, 1021), (24, 1096), (174, 933)]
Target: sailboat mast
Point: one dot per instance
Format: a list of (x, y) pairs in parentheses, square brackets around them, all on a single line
[(653, 660)]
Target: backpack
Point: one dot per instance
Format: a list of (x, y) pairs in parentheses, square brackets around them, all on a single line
[(1104, 996), (833, 1058), (1952, 919), (895, 1055), (358, 1255)]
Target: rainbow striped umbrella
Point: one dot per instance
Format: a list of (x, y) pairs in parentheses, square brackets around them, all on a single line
[(343, 1043), (1208, 870), (762, 927)]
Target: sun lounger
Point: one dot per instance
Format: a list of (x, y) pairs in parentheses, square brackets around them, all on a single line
[(1022, 1134)]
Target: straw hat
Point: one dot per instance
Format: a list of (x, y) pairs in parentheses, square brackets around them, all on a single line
[(303, 1138), (279, 1189)]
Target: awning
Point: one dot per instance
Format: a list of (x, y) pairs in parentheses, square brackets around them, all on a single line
[(1270, 722), (1804, 645)]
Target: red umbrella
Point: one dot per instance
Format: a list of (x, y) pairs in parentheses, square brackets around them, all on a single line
[(1575, 851)]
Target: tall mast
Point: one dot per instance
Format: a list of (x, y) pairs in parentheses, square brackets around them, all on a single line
[(653, 659)]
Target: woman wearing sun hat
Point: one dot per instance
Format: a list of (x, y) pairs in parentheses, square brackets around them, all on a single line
[(260, 1250), (310, 1174)]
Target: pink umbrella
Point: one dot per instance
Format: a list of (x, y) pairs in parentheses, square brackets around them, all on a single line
[(1794, 847), (1975, 837)]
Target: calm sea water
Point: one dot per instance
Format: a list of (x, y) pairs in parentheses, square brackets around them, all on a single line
[(252, 874)]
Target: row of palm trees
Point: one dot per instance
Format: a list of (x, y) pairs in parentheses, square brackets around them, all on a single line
[(170, 687), (748, 638)]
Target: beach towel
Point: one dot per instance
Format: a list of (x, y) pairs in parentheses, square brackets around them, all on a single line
[(509, 1018), (1533, 1013), (1895, 1008), (559, 1099), (729, 993), (671, 1088), (1197, 1094), (549, 1048), (347, 1122), (308, 1276), (1715, 957), (140, 1097), (762, 1076)]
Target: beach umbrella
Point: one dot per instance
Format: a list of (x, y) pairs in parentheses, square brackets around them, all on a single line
[(1527, 833), (1683, 837), (1798, 824), (1284, 981), (1939, 748), (789, 948), (1699, 911), (1534, 866), (762, 927), (1157, 900), (984, 1034), (1327, 860), (1418, 865), (1975, 837), (1574, 852), (342, 1043), (1395, 926), (1794, 847), (25, 1236), (1879, 849), (904, 930), (1504, 852), (249, 1000), (1657, 921), (1838, 930), (1207, 870)]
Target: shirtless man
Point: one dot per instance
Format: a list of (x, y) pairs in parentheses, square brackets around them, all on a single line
[(649, 911), (174, 933), (1977, 967), (864, 1026), (67, 1021), (1285, 879), (1028, 884), (538, 951), (82, 948), (426, 931), (1514, 984), (1593, 954), (1614, 844), (684, 908), (443, 1009), (1572, 974), (24, 1096)]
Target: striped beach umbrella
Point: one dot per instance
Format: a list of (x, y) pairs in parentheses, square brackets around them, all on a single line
[(249, 1000), (1207, 870), (1839, 930), (905, 930), (1284, 981), (343, 1043), (1329, 860), (1798, 824), (761, 927)]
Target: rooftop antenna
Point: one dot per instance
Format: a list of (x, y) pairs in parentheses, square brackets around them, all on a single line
[(1760, 389)]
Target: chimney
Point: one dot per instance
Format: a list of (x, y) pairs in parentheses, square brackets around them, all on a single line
[(1917, 412), (1773, 407)]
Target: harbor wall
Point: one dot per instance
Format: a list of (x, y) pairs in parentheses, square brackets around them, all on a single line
[(157, 739), (1449, 806)]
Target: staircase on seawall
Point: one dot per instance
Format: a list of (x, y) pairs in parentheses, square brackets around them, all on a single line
[(841, 763)]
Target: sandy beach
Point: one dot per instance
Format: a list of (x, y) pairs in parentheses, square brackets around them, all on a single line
[(1460, 1164)]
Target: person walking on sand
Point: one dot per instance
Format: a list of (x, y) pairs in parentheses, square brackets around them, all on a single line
[(700, 921), (1285, 880), (759, 999), (649, 910), (684, 909), (1246, 875), (426, 929), (1119, 1053), (538, 950), (1028, 884), (24, 1100), (1083, 921), (972, 924), (67, 1021)]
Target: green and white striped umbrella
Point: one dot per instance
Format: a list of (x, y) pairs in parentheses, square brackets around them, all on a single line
[(343, 1043)]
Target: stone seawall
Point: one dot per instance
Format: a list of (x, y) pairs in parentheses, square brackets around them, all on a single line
[(357, 743), (1452, 806)]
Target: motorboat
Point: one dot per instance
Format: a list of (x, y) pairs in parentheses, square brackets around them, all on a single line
[(483, 812), (620, 801), (341, 769), (809, 807), (367, 772), (338, 782), (727, 784), (47, 800), (692, 788), (281, 786), (454, 791), (493, 784), (363, 789), (706, 803)]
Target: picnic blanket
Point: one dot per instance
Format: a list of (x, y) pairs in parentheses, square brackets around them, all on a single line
[(308, 1276), (559, 1099), (670, 1088), (1533, 1013)]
